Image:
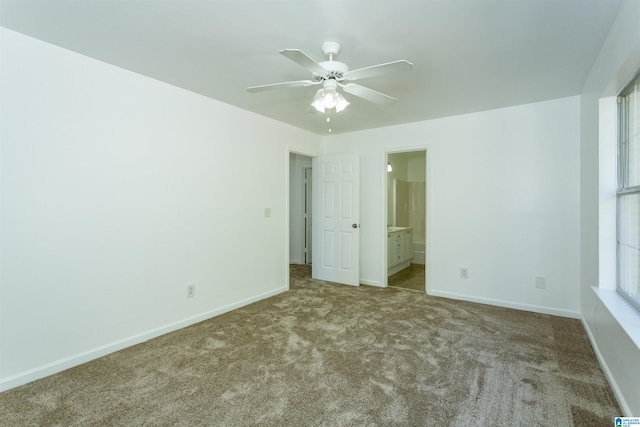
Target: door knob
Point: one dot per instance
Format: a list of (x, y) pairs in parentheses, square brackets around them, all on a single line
[(354, 225)]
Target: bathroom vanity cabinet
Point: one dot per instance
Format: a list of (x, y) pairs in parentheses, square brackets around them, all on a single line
[(400, 248)]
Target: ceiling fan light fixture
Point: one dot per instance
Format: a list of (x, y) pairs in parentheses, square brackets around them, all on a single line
[(341, 103), (317, 101), (329, 98)]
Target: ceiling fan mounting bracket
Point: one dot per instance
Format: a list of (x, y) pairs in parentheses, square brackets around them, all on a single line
[(331, 49)]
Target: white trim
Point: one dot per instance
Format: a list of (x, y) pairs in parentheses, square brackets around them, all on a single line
[(384, 244), (372, 283), (626, 316), (508, 304), (78, 359), (397, 268), (303, 198), (607, 372), (428, 227), (287, 215)]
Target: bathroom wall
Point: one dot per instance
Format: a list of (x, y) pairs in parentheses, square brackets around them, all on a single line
[(418, 211), (402, 191)]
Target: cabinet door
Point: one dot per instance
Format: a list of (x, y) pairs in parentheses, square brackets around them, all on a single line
[(402, 247), (407, 243)]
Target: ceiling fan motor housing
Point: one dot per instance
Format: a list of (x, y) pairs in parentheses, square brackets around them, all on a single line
[(335, 70)]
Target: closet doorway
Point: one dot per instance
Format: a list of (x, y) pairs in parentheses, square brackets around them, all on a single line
[(300, 208)]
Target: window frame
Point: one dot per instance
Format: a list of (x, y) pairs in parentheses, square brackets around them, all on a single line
[(623, 189)]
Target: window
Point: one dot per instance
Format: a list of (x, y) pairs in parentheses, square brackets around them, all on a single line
[(628, 194)]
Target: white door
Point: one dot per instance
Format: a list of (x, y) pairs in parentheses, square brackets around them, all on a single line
[(336, 241)]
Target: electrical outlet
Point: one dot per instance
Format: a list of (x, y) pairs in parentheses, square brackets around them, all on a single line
[(464, 273), (191, 291), (541, 282)]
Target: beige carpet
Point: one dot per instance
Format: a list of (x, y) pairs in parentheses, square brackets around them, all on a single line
[(330, 355)]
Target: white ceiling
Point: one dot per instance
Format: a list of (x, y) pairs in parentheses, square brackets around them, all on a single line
[(468, 55)]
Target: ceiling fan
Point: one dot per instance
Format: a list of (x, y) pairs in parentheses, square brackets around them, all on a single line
[(333, 74)]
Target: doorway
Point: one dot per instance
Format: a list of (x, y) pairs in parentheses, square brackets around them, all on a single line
[(406, 212), (324, 201), (300, 208)]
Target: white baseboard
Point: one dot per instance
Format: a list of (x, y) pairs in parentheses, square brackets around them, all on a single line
[(507, 304), (371, 283), (398, 268), (418, 258), (78, 359), (607, 372)]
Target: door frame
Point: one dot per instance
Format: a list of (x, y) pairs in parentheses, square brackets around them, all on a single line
[(307, 214), (429, 210), (288, 151)]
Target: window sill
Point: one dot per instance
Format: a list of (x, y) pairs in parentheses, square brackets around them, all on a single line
[(626, 316)]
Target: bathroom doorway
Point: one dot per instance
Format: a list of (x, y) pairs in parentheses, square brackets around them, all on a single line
[(406, 213)]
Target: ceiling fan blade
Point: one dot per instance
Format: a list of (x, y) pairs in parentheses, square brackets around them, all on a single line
[(368, 94), (304, 60), (377, 70), (298, 83)]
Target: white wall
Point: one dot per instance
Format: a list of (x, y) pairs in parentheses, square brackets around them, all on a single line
[(503, 190), (602, 311), (116, 192)]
